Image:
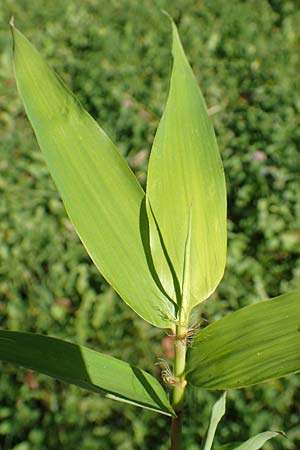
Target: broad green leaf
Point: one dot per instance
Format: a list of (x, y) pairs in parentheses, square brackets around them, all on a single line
[(217, 413), (255, 344), (254, 443), (186, 194), (84, 367), (101, 195)]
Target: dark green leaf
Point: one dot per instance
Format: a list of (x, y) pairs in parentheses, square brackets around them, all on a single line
[(84, 367)]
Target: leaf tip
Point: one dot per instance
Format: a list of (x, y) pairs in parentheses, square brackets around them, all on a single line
[(166, 14), (175, 35), (169, 17), (174, 27), (281, 433)]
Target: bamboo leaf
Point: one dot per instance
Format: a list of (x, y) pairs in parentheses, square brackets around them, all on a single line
[(101, 195), (186, 194), (255, 344), (254, 443), (75, 364), (217, 413), (231, 446)]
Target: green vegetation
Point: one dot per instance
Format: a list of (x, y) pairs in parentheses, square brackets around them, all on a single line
[(246, 77)]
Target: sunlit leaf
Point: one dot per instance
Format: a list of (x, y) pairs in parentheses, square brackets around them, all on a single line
[(84, 367), (254, 443), (186, 196), (217, 413), (255, 344), (101, 195)]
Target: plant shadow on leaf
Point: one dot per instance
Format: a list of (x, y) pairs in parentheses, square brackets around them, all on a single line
[(143, 380), (83, 367), (145, 236)]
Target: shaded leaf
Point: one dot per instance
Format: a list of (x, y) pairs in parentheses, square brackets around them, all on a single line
[(253, 345), (101, 195), (85, 368), (186, 194)]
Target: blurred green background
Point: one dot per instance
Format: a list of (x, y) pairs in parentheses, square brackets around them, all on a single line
[(116, 57)]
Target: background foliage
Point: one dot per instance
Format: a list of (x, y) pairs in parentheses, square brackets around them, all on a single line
[(116, 57)]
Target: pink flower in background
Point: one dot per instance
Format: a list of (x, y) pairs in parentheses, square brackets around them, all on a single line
[(259, 156)]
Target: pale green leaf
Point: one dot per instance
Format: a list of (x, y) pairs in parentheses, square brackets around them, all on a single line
[(186, 194), (255, 344), (217, 413), (101, 195), (256, 442), (231, 446), (84, 367)]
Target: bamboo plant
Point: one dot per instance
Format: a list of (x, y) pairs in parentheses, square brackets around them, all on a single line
[(163, 250)]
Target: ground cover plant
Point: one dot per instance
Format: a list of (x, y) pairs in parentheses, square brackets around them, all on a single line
[(119, 67), (184, 292)]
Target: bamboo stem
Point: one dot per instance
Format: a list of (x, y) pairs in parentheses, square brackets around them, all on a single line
[(179, 389), (176, 431)]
